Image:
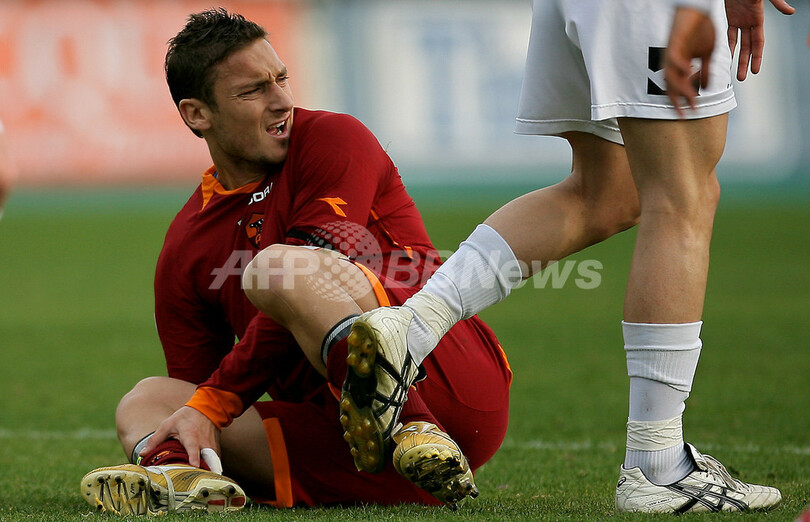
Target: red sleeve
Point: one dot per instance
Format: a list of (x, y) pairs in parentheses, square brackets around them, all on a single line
[(339, 172), (266, 359), (195, 337)]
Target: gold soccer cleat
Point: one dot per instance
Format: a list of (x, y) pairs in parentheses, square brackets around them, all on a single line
[(135, 490), (429, 458)]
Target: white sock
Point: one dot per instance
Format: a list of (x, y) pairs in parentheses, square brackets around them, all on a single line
[(661, 362), (479, 274), (656, 447)]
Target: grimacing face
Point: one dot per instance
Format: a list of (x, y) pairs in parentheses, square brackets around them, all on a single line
[(250, 126)]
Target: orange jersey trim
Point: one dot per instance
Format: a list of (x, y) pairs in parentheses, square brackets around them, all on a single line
[(210, 186), (376, 285), (408, 250), (219, 406), (508, 366), (281, 464)]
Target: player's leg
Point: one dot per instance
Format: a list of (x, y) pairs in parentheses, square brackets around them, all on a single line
[(535, 229), (673, 164), (163, 481), (316, 293), (244, 449), (307, 291)]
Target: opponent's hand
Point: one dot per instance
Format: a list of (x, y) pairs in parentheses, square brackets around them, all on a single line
[(746, 20), (692, 36), (193, 429)]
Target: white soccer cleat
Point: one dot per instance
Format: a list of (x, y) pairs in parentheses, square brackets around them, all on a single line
[(130, 489), (428, 457), (380, 371), (710, 488)]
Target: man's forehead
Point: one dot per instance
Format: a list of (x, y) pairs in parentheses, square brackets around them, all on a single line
[(256, 60)]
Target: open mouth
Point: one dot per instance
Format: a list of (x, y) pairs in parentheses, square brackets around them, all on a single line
[(279, 129)]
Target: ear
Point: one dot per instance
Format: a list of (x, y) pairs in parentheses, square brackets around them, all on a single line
[(195, 113)]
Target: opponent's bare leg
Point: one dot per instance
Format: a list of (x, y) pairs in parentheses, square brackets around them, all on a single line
[(673, 164), (597, 200)]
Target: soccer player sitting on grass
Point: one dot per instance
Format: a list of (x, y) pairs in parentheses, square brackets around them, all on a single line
[(340, 235)]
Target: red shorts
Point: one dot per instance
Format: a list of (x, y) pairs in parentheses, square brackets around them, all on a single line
[(466, 390)]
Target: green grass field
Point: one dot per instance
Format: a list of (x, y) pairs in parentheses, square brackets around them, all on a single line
[(76, 332)]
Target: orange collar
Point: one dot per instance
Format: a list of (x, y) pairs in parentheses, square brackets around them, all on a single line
[(211, 185)]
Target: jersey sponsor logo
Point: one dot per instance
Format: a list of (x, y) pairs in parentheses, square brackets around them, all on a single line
[(335, 204), (253, 229), (257, 197), (656, 84)]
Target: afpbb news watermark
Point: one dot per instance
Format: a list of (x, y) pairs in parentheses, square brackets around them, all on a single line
[(405, 269), (345, 241)]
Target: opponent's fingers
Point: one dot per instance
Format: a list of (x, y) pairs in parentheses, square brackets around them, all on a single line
[(732, 38), (757, 47), (704, 72), (745, 54), (783, 7)]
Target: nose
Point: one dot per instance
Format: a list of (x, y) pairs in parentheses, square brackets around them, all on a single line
[(280, 100)]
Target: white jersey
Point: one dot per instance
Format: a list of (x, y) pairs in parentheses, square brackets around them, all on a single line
[(592, 61)]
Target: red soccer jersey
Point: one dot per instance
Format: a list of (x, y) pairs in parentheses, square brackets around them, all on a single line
[(337, 188)]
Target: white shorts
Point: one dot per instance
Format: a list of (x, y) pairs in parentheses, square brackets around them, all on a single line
[(592, 61)]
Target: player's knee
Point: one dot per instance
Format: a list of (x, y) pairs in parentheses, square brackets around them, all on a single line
[(146, 393), (617, 217), (612, 213), (274, 271)]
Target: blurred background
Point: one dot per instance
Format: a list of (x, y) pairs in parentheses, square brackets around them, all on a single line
[(84, 101)]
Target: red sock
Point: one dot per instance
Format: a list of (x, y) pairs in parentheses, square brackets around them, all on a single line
[(169, 451)]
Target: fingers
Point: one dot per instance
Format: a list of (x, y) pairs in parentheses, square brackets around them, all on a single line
[(705, 74), (679, 85), (783, 7), (732, 38), (160, 435), (745, 54), (757, 45), (191, 428)]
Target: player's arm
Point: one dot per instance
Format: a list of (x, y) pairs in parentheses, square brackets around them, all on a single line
[(260, 359), (338, 181), (193, 335)]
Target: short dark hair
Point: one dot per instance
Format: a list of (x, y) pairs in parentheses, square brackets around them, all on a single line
[(207, 39)]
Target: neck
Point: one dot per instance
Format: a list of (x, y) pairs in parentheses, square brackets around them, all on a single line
[(232, 179)]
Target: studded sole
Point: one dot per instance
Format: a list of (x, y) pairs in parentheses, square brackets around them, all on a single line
[(360, 428), (439, 472), (131, 492)]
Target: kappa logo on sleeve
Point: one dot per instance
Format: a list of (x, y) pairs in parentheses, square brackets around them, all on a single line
[(656, 84), (335, 204)]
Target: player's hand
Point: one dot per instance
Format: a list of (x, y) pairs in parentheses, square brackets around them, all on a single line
[(746, 20), (194, 431), (692, 36)]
